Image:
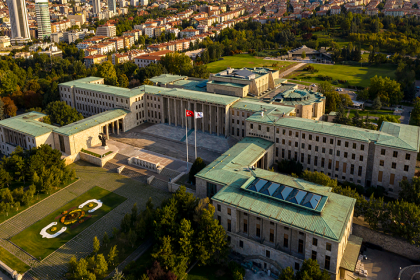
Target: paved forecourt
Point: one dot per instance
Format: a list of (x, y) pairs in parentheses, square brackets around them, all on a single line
[(55, 265)]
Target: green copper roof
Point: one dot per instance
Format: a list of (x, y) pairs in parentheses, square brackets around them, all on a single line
[(227, 84), (167, 79), (28, 124), (294, 96), (190, 94), (351, 253), (393, 135), (231, 171), (255, 106), (197, 85), (90, 122)]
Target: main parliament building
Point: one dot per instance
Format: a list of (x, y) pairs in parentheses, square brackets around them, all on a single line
[(272, 219)]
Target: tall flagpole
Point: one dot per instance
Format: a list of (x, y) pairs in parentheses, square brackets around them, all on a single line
[(195, 134), (186, 134)]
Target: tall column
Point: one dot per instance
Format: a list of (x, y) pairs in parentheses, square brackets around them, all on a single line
[(113, 129), (182, 113), (107, 131), (175, 112), (118, 127), (210, 120), (169, 111)]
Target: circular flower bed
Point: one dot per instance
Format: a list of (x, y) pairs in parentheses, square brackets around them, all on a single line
[(72, 217)]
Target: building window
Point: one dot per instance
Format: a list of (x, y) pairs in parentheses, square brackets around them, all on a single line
[(317, 138), (338, 153), (303, 135), (407, 156), (241, 243), (229, 211), (383, 152), (258, 231), (251, 126), (310, 136), (267, 253), (353, 156), (219, 207), (219, 219), (361, 158), (286, 241), (324, 139), (360, 171), (354, 145), (211, 189), (268, 129), (352, 169), (328, 247), (296, 266), (323, 150), (405, 167), (338, 142), (272, 235), (362, 147), (300, 246), (245, 225), (346, 144), (345, 154), (392, 179), (229, 226), (297, 134), (314, 241), (331, 141), (327, 262), (381, 163), (314, 255), (395, 154), (394, 165), (380, 176), (290, 133)]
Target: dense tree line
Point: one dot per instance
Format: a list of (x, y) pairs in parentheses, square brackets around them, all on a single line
[(41, 168), (397, 218)]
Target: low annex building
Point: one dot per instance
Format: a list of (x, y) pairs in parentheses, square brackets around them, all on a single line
[(308, 104), (276, 220), (243, 82)]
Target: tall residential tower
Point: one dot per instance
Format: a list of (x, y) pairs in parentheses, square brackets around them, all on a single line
[(18, 21), (112, 6), (96, 4), (43, 18)]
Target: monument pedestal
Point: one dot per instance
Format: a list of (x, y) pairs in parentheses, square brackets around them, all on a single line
[(105, 147)]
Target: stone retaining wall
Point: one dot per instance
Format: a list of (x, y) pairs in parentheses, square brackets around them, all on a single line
[(95, 160), (388, 243)]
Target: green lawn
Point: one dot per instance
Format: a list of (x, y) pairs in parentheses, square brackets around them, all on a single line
[(243, 60), (355, 75), (372, 113), (209, 272), (13, 262), (31, 241), (37, 198)]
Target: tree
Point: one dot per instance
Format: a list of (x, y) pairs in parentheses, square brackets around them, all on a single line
[(72, 264), (60, 113), (177, 63), (185, 236), (134, 211), (9, 108), (132, 237), (287, 274), (96, 245), (8, 82), (415, 113), (126, 223), (118, 275), (388, 118), (303, 54), (319, 178), (107, 71), (5, 178), (123, 81), (101, 265), (2, 115), (310, 270), (290, 167), (105, 239), (81, 270), (388, 90), (377, 105), (197, 166), (333, 98), (113, 255), (410, 192)]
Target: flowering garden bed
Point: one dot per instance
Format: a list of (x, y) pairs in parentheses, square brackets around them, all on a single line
[(31, 241)]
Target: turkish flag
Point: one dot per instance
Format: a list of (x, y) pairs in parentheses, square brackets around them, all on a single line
[(189, 113)]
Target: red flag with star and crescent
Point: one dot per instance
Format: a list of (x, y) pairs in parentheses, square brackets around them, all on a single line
[(189, 113)]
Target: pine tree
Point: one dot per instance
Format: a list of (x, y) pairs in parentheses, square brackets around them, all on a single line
[(134, 211), (113, 255), (376, 105), (197, 166), (105, 239), (132, 237), (96, 245), (185, 238), (101, 265)]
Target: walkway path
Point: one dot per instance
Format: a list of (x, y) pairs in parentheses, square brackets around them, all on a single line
[(288, 71), (55, 265)]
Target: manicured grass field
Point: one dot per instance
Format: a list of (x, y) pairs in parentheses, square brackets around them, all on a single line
[(209, 272), (31, 241), (354, 75), (13, 262), (243, 60), (372, 113)]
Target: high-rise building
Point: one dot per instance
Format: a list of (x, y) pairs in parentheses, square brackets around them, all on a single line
[(19, 21), (96, 6), (144, 2), (43, 18), (112, 6)]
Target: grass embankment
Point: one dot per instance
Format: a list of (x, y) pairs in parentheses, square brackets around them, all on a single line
[(31, 241), (354, 75), (245, 60), (13, 262)]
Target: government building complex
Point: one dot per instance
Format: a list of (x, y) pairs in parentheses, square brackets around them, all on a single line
[(272, 219)]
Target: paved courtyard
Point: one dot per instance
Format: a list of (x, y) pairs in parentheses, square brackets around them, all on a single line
[(55, 265), (166, 146), (205, 140)]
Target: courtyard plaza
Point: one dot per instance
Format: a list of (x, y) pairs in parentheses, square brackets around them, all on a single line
[(55, 265)]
